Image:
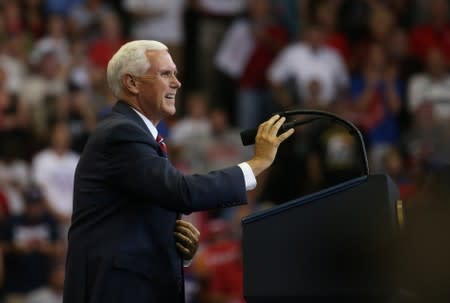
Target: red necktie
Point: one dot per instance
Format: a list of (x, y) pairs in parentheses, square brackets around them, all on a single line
[(162, 144)]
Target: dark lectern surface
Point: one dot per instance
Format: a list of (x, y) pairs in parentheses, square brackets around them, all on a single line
[(336, 242)]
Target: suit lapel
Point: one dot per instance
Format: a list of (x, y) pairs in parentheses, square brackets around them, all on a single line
[(123, 108)]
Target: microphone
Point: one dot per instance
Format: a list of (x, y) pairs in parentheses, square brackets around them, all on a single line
[(248, 136)]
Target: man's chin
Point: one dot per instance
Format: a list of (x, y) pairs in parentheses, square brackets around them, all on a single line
[(171, 111)]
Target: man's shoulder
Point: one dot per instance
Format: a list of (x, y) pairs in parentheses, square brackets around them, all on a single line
[(114, 119), (118, 126)]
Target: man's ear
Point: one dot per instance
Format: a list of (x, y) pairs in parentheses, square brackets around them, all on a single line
[(129, 84)]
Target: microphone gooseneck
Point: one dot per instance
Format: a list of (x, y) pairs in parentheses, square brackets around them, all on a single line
[(248, 136)]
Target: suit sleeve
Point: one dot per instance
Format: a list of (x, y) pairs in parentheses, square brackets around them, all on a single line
[(135, 166)]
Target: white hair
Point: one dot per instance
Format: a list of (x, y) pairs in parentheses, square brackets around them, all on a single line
[(130, 59)]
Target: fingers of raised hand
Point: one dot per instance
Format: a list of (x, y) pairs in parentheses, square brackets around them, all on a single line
[(268, 130), (265, 126), (273, 119), (276, 126), (285, 135)]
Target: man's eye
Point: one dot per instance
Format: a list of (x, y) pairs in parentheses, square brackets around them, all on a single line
[(165, 74)]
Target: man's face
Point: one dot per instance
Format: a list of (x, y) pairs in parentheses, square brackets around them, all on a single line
[(60, 138), (315, 36), (158, 87)]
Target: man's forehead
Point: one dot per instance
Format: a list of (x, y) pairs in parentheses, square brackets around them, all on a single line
[(160, 59)]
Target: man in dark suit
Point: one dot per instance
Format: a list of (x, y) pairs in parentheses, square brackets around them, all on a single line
[(127, 194)]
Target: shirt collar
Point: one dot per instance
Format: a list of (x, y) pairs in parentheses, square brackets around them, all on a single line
[(149, 124)]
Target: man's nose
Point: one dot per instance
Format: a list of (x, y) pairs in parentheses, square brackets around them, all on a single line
[(175, 82)]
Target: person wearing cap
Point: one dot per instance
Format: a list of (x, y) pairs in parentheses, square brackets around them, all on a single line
[(30, 242), (127, 195)]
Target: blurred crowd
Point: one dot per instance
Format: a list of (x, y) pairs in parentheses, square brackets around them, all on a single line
[(381, 64)]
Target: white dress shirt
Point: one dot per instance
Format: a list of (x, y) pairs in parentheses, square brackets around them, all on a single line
[(249, 176)]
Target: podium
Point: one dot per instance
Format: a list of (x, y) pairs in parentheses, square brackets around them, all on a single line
[(336, 243)]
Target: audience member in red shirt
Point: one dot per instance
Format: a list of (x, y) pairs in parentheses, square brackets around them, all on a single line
[(219, 265), (110, 40), (434, 33), (326, 15)]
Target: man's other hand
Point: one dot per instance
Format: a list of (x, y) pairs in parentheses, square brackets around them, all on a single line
[(267, 142), (187, 238)]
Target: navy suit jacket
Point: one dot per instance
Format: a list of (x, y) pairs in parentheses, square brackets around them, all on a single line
[(126, 198)]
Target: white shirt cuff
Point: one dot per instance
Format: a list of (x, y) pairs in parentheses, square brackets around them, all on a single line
[(249, 176)]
